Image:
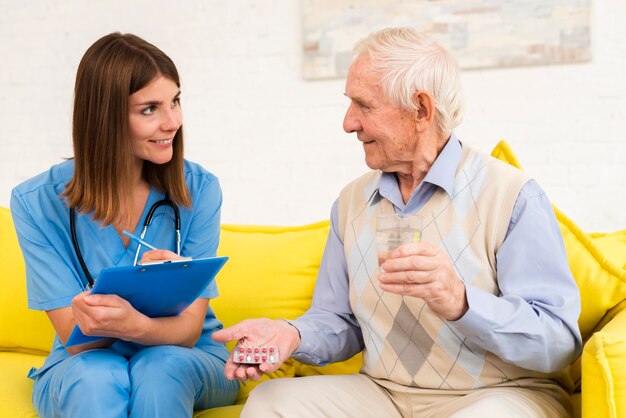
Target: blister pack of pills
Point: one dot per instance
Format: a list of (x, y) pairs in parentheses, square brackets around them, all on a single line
[(252, 354)]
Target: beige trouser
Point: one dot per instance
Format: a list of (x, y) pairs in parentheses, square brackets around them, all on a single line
[(358, 395)]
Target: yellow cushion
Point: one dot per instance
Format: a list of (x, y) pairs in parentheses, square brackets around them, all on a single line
[(604, 362), (232, 411), (21, 329), (602, 284), (612, 245), (271, 273), (15, 387)]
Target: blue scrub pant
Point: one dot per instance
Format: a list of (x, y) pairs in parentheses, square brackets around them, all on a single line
[(160, 381)]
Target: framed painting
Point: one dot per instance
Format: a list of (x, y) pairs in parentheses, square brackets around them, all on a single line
[(480, 33)]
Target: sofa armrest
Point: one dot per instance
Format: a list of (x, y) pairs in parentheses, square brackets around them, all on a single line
[(604, 370)]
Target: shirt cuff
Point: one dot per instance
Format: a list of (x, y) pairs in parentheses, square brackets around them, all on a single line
[(307, 343), (480, 314)]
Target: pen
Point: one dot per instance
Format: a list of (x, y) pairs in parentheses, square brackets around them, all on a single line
[(139, 240)]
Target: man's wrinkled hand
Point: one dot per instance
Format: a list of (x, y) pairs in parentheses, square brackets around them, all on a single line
[(259, 332), (422, 270)]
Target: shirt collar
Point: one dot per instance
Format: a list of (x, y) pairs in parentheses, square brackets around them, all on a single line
[(441, 174), (443, 170)]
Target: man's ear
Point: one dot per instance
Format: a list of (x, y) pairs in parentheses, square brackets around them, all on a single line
[(425, 114)]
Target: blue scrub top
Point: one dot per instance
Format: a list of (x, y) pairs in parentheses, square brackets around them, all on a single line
[(53, 272)]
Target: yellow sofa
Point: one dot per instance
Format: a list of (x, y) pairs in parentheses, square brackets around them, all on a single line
[(272, 273)]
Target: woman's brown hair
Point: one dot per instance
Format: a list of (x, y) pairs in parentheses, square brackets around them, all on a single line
[(113, 68)]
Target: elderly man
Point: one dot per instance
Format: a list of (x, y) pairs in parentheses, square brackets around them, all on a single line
[(478, 319)]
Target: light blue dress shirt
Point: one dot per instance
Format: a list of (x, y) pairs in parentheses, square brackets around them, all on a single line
[(532, 323)]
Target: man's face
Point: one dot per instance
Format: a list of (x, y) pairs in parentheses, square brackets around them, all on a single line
[(387, 132)]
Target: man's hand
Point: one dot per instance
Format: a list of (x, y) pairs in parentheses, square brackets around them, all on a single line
[(259, 332), (422, 270)]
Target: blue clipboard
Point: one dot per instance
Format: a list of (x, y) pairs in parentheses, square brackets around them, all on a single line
[(155, 289)]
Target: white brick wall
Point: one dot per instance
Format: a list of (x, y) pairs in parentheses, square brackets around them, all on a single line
[(276, 140)]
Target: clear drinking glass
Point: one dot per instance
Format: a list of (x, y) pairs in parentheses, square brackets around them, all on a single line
[(394, 230)]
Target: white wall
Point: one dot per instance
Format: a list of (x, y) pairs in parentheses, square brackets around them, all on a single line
[(274, 139)]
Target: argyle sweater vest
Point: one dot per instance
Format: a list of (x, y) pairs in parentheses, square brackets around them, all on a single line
[(406, 342)]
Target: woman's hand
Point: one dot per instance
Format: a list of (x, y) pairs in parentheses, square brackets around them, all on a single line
[(107, 315), (159, 255), (114, 317), (111, 315)]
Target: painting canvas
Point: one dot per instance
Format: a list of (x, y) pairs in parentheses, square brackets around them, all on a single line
[(480, 33)]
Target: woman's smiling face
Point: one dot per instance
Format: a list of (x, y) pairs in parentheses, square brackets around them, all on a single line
[(155, 117)]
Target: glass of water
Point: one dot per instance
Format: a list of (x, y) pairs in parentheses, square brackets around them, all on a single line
[(394, 230)]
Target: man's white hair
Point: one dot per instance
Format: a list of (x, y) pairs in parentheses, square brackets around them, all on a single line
[(409, 61)]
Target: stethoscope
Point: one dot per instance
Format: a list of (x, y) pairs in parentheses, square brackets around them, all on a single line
[(146, 224)]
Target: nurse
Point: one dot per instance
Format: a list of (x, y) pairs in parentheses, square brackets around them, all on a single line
[(128, 155)]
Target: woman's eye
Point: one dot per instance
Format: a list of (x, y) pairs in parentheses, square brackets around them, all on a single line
[(176, 102), (149, 110)]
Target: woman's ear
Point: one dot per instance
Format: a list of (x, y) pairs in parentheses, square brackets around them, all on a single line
[(425, 113)]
